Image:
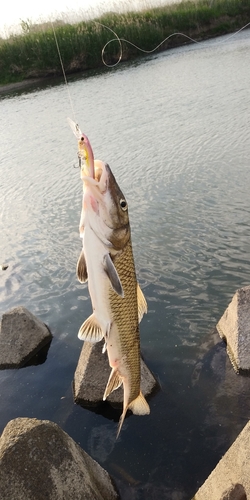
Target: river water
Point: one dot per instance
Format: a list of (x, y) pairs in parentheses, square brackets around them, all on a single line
[(174, 127)]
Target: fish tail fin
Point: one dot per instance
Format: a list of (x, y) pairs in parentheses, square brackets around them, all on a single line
[(138, 406), (121, 421)]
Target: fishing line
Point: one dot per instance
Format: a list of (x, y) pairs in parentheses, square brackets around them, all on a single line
[(120, 40), (66, 83), (64, 74)]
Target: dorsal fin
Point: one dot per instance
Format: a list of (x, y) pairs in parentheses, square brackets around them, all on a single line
[(142, 304), (91, 330)]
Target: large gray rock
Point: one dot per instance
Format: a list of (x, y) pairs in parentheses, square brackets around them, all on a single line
[(39, 461), (22, 335), (92, 373), (230, 480), (234, 327)]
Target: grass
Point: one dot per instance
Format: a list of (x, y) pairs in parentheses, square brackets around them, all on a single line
[(33, 53)]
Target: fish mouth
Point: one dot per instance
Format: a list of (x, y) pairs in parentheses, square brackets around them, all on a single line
[(98, 182), (99, 167)]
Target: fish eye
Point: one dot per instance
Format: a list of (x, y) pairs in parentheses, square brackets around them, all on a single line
[(123, 205), (82, 138)]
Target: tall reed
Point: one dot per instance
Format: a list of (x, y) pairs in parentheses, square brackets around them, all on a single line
[(33, 53)]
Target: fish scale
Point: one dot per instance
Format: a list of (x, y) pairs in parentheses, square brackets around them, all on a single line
[(125, 315)]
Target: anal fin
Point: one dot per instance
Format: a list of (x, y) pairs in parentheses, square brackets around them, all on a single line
[(90, 330), (114, 382)]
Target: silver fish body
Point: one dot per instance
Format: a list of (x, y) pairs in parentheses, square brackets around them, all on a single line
[(106, 261)]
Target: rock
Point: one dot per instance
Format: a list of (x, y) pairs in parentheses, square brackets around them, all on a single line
[(235, 492), (22, 335), (230, 480), (234, 328), (92, 373), (4, 267), (39, 461)]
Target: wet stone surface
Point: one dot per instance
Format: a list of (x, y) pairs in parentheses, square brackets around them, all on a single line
[(22, 335), (92, 373), (39, 460)]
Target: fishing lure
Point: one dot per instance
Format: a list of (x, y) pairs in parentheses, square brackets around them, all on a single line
[(85, 151)]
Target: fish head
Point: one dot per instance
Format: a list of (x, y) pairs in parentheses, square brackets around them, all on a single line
[(106, 207)]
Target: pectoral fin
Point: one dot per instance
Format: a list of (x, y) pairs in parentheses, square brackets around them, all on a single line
[(142, 304), (90, 330), (111, 272), (114, 382), (81, 268)]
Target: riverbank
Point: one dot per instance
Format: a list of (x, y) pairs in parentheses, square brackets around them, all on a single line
[(33, 54), (9, 87)]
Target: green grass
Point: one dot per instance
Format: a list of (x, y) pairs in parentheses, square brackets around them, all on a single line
[(33, 53)]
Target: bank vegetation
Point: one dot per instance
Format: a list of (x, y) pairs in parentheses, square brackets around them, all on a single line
[(33, 52)]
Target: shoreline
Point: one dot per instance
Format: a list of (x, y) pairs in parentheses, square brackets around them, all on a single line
[(203, 36), (8, 87)]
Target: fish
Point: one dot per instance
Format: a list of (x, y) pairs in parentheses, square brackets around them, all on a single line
[(106, 262)]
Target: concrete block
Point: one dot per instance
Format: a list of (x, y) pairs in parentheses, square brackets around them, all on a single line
[(92, 373), (234, 328), (39, 461), (230, 480), (22, 335)]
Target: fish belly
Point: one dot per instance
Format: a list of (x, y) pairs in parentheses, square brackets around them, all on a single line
[(98, 283)]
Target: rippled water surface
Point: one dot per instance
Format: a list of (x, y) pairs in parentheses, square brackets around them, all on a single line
[(175, 130)]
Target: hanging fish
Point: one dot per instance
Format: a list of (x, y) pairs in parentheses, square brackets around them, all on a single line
[(107, 262)]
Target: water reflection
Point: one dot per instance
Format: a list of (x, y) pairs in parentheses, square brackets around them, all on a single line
[(40, 357), (180, 151), (101, 442)]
